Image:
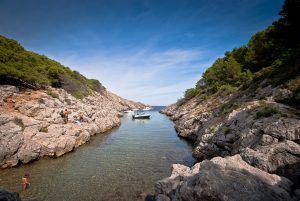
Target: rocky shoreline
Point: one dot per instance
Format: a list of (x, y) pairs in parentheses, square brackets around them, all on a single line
[(31, 126), (247, 145)]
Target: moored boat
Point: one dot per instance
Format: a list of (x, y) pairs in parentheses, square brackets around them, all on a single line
[(128, 111), (140, 115), (147, 108)]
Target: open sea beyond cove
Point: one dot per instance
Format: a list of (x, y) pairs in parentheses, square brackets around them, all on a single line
[(123, 164)]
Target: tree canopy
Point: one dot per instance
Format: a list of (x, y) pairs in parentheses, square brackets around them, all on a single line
[(272, 52), (18, 65)]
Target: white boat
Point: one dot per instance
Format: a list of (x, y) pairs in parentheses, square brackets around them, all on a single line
[(141, 115), (147, 108), (128, 111)]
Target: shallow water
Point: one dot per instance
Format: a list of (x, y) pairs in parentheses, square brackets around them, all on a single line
[(122, 164)]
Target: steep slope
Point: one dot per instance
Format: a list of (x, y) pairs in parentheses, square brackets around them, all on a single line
[(33, 91), (25, 68), (246, 105)]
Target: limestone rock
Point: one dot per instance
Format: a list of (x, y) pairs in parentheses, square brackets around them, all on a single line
[(282, 159), (31, 126), (228, 178)]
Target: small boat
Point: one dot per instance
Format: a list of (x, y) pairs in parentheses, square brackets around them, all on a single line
[(147, 108), (140, 115), (128, 111)]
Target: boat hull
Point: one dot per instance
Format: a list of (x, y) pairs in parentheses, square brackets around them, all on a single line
[(141, 116)]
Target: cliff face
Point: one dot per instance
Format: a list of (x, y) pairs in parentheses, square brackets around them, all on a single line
[(31, 125), (243, 115), (251, 124)]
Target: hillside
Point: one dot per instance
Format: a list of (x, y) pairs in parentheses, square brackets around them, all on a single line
[(243, 115), (24, 68), (33, 91)]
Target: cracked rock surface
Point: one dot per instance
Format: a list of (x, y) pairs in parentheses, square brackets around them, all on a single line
[(264, 133), (31, 126)]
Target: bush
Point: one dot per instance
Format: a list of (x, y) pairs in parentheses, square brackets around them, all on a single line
[(265, 112), (229, 107), (44, 130), (227, 130), (21, 67), (53, 94), (78, 94), (95, 85), (213, 129), (191, 93), (202, 97), (228, 89)]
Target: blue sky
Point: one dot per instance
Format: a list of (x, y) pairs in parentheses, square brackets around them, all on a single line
[(143, 50)]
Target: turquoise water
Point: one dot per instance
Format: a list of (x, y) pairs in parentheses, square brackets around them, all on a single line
[(123, 164)]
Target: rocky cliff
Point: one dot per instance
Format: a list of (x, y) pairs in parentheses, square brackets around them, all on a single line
[(243, 115), (31, 126), (256, 132)]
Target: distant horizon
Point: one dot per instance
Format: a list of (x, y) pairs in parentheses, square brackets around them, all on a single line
[(141, 50)]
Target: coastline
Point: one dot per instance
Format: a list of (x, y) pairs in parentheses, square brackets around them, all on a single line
[(31, 126), (249, 134)]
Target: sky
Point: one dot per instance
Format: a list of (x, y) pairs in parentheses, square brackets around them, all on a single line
[(144, 50)]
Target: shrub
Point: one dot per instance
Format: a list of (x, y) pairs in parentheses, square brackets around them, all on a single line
[(202, 97), (21, 67), (44, 130), (294, 85), (227, 130), (95, 85), (78, 94), (228, 88), (213, 130), (229, 107), (191, 93), (53, 94), (265, 112)]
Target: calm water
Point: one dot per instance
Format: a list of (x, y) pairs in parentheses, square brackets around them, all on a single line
[(119, 165)]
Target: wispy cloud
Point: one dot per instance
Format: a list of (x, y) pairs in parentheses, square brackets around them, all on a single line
[(153, 77)]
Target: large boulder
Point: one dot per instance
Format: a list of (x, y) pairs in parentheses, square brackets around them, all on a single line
[(7, 196), (282, 159), (228, 178)]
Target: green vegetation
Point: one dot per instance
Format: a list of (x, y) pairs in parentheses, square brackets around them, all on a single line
[(213, 130), (229, 107), (271, 55), (190, 93), (44, 130), (53, 94), (227, 130), (21, 67), (265, 112)]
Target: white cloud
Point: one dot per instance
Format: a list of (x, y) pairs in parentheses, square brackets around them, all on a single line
[(156, 78)]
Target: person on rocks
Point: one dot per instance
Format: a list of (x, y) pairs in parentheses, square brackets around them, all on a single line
[(25, 182), (66, 116)]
